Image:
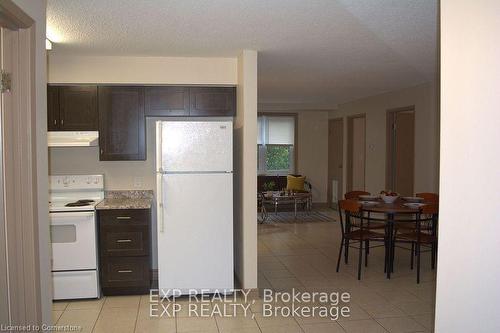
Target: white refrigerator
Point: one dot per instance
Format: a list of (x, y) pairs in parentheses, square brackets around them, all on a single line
[(195, 206)]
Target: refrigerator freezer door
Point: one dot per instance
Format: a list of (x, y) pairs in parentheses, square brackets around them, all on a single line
[(196, 146), (195, 242)]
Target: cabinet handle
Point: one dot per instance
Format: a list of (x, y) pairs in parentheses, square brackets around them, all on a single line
[(102, 151), (125, 271), (62, 121), (55, 121), (123, 217), (124, 241)]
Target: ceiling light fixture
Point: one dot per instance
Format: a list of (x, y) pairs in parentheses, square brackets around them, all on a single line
[(48, 44)]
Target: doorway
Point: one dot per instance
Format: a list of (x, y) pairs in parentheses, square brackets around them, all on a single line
[(335, 161), (401, 150), (356, 154)]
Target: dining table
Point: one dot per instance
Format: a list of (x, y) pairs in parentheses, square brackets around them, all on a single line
[(398, 208)]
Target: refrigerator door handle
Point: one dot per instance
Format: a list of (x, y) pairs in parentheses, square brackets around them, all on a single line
[(159, 175), (161, 220), (160, 202)]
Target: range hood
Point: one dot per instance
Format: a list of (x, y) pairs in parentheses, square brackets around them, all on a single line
[(72, 139)]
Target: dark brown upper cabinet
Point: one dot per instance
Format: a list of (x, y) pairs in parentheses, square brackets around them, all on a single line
[(167, 101), (52, 108), (78, 108), (122, 134), (72, 108), (212, 101)]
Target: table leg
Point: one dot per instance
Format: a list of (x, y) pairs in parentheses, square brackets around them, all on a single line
[(389, 254)]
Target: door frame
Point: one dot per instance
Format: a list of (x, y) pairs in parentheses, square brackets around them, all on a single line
[(18, 150), (390, 139), (350, 120), (329, 192)]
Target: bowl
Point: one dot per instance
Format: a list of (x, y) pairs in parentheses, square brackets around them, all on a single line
[(389, 198)]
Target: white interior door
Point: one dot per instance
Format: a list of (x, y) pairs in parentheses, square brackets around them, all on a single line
[(195, 233), (197, 146)]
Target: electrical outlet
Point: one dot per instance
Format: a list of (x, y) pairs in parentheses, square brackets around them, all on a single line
[(138, 181)]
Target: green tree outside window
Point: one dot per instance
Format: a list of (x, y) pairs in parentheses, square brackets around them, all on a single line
[(277, 157)]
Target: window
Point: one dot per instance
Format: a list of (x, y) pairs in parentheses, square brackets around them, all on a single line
[(275, 144)]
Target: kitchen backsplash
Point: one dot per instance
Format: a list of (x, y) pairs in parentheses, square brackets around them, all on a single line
[(132, 194)]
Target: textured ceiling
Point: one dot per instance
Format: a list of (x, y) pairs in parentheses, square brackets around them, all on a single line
[(315, 53)]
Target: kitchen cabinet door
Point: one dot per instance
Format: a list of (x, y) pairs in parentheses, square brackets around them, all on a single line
[(52, 108), (167, 101), (122, 133), (78, 108), (212, 101)]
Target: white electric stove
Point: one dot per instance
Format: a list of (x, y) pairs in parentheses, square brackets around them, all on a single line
[(72, 201)]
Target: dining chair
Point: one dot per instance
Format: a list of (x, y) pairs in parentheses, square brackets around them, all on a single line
[(350, 210), (419, 235), (429, 197), (354, 195)]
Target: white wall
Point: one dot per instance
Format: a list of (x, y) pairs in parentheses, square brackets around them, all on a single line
[(36, 10), (141, 70), (245, 178), (312, 158), (424, 98), (468, 275)]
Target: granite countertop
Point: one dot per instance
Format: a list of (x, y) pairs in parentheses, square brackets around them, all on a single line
[(126, 200)]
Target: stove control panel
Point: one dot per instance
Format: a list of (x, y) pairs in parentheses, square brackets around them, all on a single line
[(76, 182)]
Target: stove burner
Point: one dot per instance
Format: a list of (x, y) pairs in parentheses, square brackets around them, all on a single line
[(79, 203)]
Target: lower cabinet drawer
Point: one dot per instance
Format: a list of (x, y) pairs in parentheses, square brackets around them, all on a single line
[(125, 241), (124, 217), (125, 272)]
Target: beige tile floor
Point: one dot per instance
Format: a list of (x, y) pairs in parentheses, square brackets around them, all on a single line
[(299, 256)]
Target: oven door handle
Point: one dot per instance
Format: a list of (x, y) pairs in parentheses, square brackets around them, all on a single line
[(62, 218)]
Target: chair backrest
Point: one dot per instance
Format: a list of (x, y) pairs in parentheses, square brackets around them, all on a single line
[(429, 197), (350, 206), (430, 209), (354, 195)]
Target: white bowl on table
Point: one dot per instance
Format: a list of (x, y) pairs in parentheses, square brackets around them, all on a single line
[(389, 198)]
